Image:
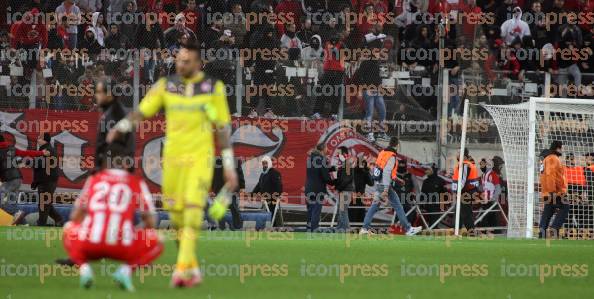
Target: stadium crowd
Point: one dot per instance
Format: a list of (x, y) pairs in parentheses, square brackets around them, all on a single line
[(87, 40)]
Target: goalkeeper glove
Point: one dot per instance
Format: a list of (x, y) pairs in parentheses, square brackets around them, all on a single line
[(220, 203)]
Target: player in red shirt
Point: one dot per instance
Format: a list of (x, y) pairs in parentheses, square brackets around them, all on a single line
[(102, 223), (492, 182)]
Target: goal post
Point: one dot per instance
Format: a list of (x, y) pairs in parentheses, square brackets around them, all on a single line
[(525, 131)]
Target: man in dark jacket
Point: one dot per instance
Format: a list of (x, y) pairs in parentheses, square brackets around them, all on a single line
[(113, 111), (10, 175), (317, 176), (45, 180), (345, 187), (269, 187), (432, 191), (217, 184), (362, 179)]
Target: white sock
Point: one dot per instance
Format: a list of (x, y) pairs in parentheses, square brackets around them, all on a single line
[(86, 270), (125, 270)]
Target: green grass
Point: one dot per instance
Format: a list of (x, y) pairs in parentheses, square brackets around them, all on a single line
[(385, 266)]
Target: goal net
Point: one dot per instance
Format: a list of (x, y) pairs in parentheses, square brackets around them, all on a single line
[(526, 130)]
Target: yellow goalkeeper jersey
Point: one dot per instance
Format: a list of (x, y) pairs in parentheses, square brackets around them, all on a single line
[(192, 106)]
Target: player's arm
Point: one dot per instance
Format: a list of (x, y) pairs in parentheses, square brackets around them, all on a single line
[(151, 104), (222, 125)]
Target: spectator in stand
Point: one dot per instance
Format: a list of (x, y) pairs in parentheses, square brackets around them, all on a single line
[(503, 12), (345, 187), (213, 35), (492, 183), (290, 10), (90, 43), (332, 81), (514, 27), (116, 40), (306, 33), (238, 25), (57, 37), (569, 31), (192, 14), (45, 180), (313, 53), (369, 83), (553, 190), (89, 6), (149, 39), (424, 42), (29, 36), (538, 27), (173, 34), (130, 20), (454, 78), (115, 9), (270, 188), (291, 42), (99, 28), (317, 176), (570, 41), (263, 69), (69, 9), (330, 31), (511, 64)]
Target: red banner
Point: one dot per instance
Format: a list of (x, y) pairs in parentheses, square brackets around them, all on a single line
[(287, 142)]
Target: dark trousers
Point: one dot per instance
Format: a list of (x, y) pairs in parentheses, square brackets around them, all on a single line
[(331, 91), (236, 222), (466, 217), (45, 191), (314, 210), (553, 203)]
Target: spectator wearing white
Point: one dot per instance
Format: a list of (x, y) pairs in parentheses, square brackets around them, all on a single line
[(312, 55), (69, 9), (290, 41), (514, 27), (98, 28), (89, 6), (173, 34)]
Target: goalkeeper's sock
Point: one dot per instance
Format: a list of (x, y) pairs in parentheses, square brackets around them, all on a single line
[(186, 257)]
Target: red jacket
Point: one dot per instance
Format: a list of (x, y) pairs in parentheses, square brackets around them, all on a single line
[(291, 11), (333, 60), (22, 153), (29, 33)]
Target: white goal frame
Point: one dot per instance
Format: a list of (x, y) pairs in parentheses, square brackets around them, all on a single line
[(530, 158)]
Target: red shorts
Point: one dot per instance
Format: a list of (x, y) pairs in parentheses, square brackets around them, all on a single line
[(145, 247)]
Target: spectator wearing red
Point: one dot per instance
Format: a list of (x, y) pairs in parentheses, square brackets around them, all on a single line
[(30, 32), (291, 10), (473, 17), (511, 64), (192, 16), (332, 81)]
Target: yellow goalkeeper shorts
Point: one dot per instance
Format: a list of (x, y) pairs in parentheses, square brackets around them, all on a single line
[(186, 182)]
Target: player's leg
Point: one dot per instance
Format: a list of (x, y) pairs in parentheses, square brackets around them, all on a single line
[(75, 249), (145, 248)]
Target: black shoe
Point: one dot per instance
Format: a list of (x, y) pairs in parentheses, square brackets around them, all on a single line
[(65, 262)]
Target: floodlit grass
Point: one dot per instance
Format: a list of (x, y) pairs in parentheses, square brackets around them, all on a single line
[(311, 266)]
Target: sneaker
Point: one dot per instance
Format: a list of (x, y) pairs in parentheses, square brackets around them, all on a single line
[(86, 276), (195, 278), (413, 230), (123, 281), (365, 231), (65, 262), (177, 280), (18, 217), (370, 137)]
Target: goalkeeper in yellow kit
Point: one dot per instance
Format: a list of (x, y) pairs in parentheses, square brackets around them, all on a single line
[(195, 106)]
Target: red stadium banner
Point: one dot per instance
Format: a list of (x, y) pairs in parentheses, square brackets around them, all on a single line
[(286, 141)]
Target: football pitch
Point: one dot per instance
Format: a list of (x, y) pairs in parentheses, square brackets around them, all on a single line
[(311, 266)]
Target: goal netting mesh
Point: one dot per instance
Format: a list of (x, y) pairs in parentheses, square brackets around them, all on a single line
[(571, 123)]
